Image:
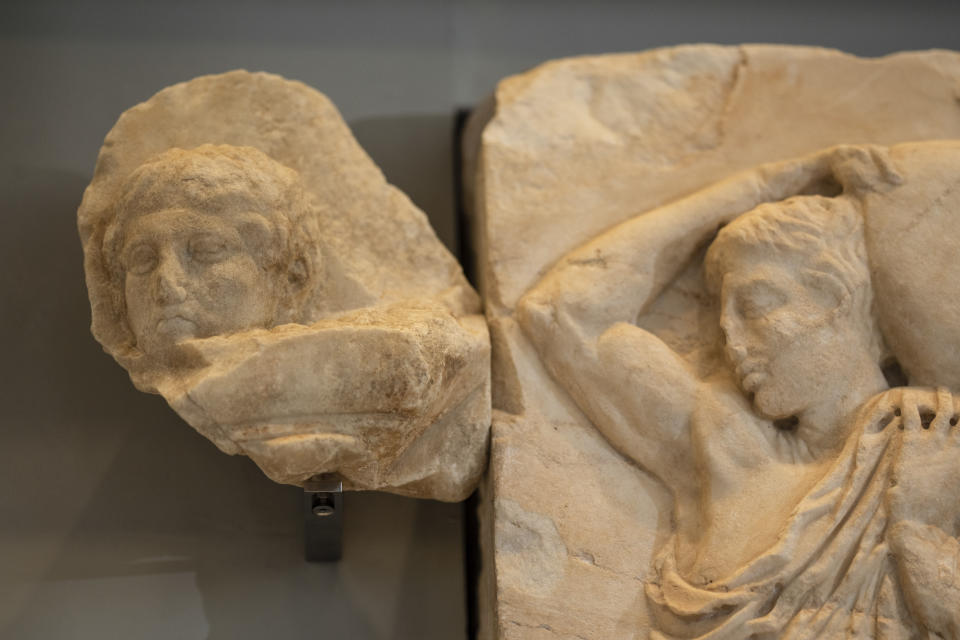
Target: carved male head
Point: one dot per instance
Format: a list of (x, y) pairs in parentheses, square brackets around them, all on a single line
[(796, 300), (204, 242)]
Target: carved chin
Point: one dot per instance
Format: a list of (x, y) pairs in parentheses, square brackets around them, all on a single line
[(771, 405), (168, 351), (765, 408)]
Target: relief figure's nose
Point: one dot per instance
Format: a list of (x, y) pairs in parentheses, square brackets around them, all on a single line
[(170, 279), (732, 340)]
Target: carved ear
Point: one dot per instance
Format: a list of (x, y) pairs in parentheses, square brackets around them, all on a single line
[(302, 284)]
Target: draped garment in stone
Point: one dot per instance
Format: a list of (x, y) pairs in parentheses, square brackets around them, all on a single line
[(830, 575)]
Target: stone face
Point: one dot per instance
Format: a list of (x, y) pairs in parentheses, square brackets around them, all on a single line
[(743, 433), (247, 260)]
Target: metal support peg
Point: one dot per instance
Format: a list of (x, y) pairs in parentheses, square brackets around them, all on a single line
[(323, 518)]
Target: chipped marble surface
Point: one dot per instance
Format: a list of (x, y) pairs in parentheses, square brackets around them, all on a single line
[(565, 162), (248, 261)]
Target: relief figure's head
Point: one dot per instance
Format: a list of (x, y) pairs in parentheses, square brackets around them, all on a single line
[(205, 242), (795, 302)]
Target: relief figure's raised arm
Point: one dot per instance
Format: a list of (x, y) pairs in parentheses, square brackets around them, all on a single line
[(581, 315)]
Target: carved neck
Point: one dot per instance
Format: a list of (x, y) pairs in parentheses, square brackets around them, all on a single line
[(825, 427)]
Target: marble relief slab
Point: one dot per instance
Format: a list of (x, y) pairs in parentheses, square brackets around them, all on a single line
[(247, 260), (721, 289)]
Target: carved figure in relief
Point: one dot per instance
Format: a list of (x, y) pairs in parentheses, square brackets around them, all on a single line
[(215, 259), (284, 299), (810, 499), (207, 242)]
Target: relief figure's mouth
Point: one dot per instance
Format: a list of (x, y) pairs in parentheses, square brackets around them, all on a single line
[(750, 373), (752, 380), (175, 323)]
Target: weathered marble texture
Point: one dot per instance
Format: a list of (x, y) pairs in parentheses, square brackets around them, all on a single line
[(248, 261), (694, 433)]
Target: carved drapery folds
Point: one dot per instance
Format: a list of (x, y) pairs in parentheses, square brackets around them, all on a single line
[(721, 286), (722, 294)]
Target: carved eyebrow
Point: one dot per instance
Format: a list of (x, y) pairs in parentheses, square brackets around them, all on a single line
[(129, 247), (759, 295), (767, 295), (764, 283), (202, 238)]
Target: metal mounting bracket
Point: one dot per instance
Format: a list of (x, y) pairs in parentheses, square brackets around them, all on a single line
[(323, 518)]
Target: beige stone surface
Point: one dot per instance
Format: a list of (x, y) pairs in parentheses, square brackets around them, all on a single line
[(722, 435), (247, 260)]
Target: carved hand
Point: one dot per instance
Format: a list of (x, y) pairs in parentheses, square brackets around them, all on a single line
[(926, 472)]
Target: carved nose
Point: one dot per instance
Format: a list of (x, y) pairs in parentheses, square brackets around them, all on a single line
[(726, 336), (736, 352), (169, 287)]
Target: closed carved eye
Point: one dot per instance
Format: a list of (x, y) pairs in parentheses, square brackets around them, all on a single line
[(759, 299), (208, 248), (141, 259)]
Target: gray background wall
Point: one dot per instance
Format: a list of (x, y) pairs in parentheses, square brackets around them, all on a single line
[(116, 519)]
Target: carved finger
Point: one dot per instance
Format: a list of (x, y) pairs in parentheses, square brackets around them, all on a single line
[(941, 421), (910, 411), (925, 401), (881, 411)]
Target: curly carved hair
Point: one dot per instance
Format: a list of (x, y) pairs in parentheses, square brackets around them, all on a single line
[(825, 235), (215, 180)]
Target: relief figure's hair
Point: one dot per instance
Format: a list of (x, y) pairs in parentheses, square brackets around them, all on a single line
[(218, 180), (823, 236)]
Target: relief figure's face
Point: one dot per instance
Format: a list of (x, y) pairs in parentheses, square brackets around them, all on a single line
[(194, 275), (787, 342)]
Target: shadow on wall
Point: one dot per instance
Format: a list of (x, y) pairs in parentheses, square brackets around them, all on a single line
[(121, 521), (415, 153)]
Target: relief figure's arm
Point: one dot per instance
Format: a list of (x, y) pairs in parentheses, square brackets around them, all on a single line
[(634, 388), (617, 275), (411, 361), (581, 315)]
